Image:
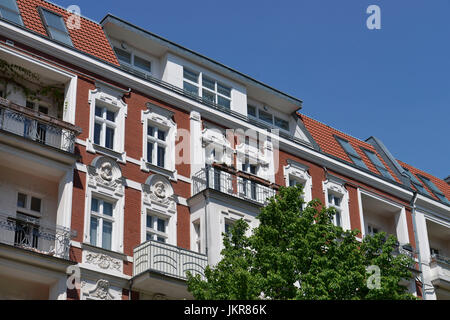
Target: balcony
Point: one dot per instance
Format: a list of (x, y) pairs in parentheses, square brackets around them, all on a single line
[(37, 127), (440, 271), (28, 233), (237, 184), (160, 268)]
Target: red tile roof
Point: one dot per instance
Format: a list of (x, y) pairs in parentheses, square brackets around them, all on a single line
[(324, 136), (441, 184), (90, 38)]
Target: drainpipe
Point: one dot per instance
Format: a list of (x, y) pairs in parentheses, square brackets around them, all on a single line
[(416, 240)]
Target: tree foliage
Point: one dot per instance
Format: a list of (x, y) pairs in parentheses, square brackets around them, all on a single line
[(298, 253)]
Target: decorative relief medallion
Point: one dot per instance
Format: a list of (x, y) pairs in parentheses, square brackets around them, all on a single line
[(101, 290), (158, 190), (106, 172)]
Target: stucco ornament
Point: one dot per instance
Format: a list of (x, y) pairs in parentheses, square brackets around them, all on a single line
[(158, 191), (105, 172), (103, 261), (101, 290)]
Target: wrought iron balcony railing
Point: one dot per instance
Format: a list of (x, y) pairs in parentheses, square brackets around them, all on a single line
[(31, 234), (438, 258), (37, 126), (168, 260), (240, 186)]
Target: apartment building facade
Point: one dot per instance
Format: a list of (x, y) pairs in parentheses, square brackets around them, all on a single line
[(125, 156)]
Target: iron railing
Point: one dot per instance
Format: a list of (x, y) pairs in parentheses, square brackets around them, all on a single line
[(37, 126), (30, 233), (168, 260), (231, 184), (438, 258)]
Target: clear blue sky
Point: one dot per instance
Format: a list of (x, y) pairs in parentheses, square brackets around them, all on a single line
[(392, 83)]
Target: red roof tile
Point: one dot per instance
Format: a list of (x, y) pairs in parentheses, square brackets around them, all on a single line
[(324, 136), (90, 38), (441, 184)]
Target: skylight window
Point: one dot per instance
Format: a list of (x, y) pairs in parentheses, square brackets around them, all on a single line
[(438, 193), (9, 11), (416, 182), (378, 164), (354, 156), (56, 28)]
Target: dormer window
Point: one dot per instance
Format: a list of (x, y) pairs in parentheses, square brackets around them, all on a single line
[(416, 183), (267, 117), (438, 193), (136, 62), (351, 153), (9, 11), (56, 28)]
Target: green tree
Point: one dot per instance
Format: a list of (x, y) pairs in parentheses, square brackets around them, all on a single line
[(298, 253)]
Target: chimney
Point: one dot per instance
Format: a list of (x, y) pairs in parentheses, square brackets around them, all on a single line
[(447, 180)]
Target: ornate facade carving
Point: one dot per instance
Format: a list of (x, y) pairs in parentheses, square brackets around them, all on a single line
[(106, 173), (103, 261), (101, 291), (158, 191)]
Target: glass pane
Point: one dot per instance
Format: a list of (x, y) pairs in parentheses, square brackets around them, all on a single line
[(209, 96), (10, 4), (109, 141), (93, 233), (209, 83), (348, 148), (22, 200), (60, 36), (149, 222), (35, 204), (251, 111), (190, 88), (99, 112), (221, 101), (30, 105), (283, 124), (11, 16), (337, 218), (226, 91), (385, 173), (94, 205), (53, 20), (142, 64), (107, 235), (97, 132), (161, 225), (110, 116), (160, 239), (107, 209), (161, 156), (149, 237), (190, 75), (150, 152), (358, 162), (123, 56), (162, 135), (150, 131), (43, 109), (264, 116), (252, 169)]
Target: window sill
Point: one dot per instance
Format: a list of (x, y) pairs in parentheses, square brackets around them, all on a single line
[(147, 167), (95, 148)]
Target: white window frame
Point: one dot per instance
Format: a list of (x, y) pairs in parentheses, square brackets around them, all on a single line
[(101, 217), (113, 191), (267, 110), (27, 210), (105, 123), (336, 187), (299, 172), (108, 97), (154, 230), (133, 53), (160, 118)]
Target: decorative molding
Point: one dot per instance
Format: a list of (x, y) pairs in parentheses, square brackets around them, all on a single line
[(106, 173), (103, 261), (101, 291), (159, 115), (158, 194)]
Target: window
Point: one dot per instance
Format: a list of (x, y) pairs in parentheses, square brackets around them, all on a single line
[(197, 234), (354, 156), (190, 83), (133, 60), (378, 164), (156, 146), (371, 230), (211, 90), (267, 117), (215, 92), (335, 202), (228, 226), (26, 233), (41, 134), (28, 204), (101, 223), (156, 228), (293, 181), (9, 11), (249, 187), (434, 252), (416, 183), (104, 127), (438, 193), (56, 28)]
